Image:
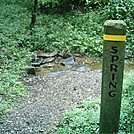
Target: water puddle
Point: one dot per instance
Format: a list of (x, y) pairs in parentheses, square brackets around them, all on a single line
[(55, 68)]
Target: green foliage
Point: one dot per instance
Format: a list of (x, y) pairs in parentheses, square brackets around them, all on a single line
[(82, 32), (122, 10), (44, 2), (13, 55), (81, 120), (68, 33), (93, 3), (74, 31), (127, 111), (11, 86)]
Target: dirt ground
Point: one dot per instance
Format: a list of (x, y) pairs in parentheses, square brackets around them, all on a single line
[(49, 98)]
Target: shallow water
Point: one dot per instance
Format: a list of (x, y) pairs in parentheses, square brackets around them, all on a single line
[(86, 63), (129, 66)]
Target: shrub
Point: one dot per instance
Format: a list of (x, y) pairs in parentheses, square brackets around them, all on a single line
[(127, 116), (69, 33), (11, 86), (12, 55), (81, 120), (122, 10)]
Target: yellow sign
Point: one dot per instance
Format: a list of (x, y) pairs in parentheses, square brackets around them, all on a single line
[(114, 37)]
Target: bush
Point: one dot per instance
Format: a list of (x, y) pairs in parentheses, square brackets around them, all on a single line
[(68, 32), (122, 10), (81, 120), (12, 55), (127, 116), (11, 86)]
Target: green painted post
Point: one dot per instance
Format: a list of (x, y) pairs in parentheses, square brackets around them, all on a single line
[(112, 75)]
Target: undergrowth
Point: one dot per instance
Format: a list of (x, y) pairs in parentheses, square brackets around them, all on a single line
[(11, 86), (81, 119), (69, 33), (13, 20)]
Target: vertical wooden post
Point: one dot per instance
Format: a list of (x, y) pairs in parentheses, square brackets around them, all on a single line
[(112, 75)]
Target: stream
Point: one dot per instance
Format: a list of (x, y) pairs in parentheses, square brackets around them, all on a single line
[(81, 64)]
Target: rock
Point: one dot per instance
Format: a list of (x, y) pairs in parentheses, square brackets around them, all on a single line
[(47, 65), (80, 69), (59, 60), (48, 60), (0, 98), (69, 61), (37, 63), (76, 54), (65, 55), (29, 69), (46, 55), (54, 74), (66, 62)]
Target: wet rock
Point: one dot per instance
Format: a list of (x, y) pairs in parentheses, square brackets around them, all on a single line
[(65, 55), (39, 69), (37, 63), (48, 60), (69, 61), (29, 69), (47, 65), (76, 54), (0, 100), (46, 55), (54, 74), (59, 60)]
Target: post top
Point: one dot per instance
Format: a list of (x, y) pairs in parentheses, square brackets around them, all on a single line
[(115, 27), (117, 23)]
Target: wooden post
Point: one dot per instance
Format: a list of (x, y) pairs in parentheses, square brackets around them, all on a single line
[(112, 75)]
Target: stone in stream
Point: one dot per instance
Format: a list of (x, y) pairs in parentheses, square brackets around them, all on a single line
[(59, 60), (46, 55), (80, 68), (65, 55), (48, 60), (37, 63), (30, 69), (47, 65), (0, 98), (68, 61), (54, 74)]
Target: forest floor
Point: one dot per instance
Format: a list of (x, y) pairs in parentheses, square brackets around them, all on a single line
[(49, 97)]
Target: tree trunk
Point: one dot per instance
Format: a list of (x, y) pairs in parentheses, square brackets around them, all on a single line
[(34, 14)]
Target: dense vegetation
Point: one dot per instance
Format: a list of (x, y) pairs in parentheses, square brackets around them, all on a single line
[(65, 25)]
